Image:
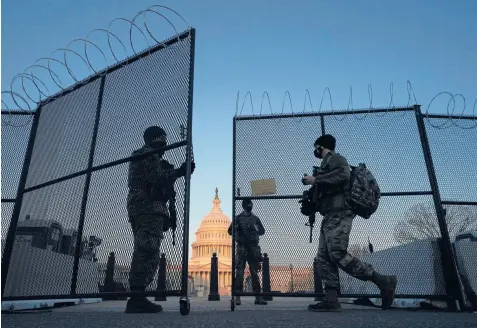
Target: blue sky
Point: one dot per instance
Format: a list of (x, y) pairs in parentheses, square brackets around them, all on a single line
[(274, 46)]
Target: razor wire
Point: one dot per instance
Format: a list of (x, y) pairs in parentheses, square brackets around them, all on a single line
[(25, 102), (360, 113)]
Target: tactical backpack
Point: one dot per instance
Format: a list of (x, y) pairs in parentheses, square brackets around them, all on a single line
[(364, 193)]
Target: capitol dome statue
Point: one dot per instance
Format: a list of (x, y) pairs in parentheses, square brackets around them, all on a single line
[(212, 237)]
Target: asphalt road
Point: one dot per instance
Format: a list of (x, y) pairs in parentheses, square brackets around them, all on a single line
[(281, 313), (272, 318)]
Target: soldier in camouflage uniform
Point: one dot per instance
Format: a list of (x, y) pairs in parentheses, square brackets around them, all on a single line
[(333, 181), (248, 228), (150, 181)]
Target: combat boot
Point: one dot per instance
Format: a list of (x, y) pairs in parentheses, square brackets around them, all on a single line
[(387, 287), (329, 304), (142, 305), (260, 301), (237, 300)]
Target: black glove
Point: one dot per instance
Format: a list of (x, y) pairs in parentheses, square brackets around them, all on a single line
[(173, 214), (183, 168)]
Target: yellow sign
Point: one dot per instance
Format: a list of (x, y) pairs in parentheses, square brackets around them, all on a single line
[(263, 187)]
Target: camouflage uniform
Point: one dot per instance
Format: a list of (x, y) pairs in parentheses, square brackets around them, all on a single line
[(149, 180), (248, 229), (332, 185), (333, 177)]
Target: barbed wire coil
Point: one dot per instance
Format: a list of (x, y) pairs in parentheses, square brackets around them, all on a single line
[(359, 114), (41, 89)]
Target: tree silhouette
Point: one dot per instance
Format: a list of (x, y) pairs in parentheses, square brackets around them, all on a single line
[(420, 222)]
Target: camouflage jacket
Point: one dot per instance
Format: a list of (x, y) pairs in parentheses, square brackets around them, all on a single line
[(333, 181), (150, 182), (248, 228)]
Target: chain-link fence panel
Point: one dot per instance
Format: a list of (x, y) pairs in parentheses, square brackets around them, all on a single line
[(63, 137), (15, 136), (151, 91), (454, 157), (135, 98), (389, 145), (37, 265), (7, 211), (77, 185), (281, 147), (454, 163), (404, 237), (463, 221)]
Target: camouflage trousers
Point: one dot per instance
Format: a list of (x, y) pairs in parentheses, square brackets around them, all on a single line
[(333, 250), (247, 254), (147, 231)]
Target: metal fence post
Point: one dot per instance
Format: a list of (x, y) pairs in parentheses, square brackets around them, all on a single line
[(185, 238), (234, 154), (449, 265), (322, 121), (10, 240), (84, 201), (214, 279), (266, 288)]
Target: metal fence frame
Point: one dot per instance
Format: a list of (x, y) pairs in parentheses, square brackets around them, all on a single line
[(10, 238), (454, 297)]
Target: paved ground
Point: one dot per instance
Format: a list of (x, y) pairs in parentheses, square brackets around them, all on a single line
[(279, 313)]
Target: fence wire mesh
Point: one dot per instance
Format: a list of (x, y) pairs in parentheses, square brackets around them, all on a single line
[(454, 163), (404, 232), (15, 135), (462, 224), (454, 156), (152, 89)]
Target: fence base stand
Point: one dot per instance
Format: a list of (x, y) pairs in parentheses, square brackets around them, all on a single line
[(184, 306), (214, 297), (266, 277), (214, 279)]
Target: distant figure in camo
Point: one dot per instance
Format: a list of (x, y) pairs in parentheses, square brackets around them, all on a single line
[(248, 228), (151, 211)]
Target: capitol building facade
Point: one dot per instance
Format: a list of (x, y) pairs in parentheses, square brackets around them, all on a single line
[(212, 237)]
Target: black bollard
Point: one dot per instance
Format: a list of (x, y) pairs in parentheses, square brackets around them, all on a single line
[(109, 286), (214, 279), (317, 280), (266, 277), (161, 279)]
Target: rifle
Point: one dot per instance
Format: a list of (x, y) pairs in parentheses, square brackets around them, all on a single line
[(173, 215), (308, 206), (170, 196)]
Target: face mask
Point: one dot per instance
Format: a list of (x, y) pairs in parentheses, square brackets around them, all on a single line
[(318, 152), (248, 208)]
